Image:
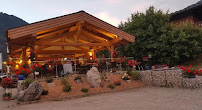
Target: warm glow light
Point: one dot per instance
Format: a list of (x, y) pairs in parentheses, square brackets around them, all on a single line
[(4, 63), (49, 66), (91, 53), (17, 66), (29, 61), (20, 62), (115, 35)]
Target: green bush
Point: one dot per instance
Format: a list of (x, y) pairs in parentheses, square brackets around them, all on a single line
[(27, 82), (63, 80), (134, 74), (6, 95), (84, 90), (45, 92), (49, 79), (77, 78), (67, 87), (111, 86), (155, 35)]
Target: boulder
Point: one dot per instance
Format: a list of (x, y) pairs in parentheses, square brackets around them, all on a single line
[(93, 77), (33, 92)]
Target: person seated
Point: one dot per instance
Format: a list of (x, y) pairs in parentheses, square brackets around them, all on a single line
[(67, 67)]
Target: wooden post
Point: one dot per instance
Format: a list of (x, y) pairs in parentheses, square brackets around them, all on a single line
[(94, 54), (24, 56), (32, 44), (111, 49)]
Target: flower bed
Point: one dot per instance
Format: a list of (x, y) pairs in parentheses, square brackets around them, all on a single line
[(56, 92)]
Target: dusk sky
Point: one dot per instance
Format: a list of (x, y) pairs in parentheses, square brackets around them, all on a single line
[(111, 11)]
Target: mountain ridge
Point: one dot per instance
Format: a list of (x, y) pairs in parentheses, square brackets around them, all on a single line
[(8, 22)]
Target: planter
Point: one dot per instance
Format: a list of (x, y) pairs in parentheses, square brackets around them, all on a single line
[(36, 73), (147, 68), (6, 98), (21, 77)]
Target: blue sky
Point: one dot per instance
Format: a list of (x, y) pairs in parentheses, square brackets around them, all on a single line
[(111, 11)]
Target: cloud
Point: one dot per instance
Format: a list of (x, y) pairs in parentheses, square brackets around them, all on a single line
[(113, 1), (65, 11), (105, 16), (141, 6)]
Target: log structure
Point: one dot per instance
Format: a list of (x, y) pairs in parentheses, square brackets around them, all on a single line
[(73, 35)]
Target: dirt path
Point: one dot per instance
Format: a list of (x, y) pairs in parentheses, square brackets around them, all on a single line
[(146, 98)]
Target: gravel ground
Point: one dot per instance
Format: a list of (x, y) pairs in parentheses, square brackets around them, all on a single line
[(145, 98)]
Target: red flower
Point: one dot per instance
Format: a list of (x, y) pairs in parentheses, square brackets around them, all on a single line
[(195, 71), (188, 70)]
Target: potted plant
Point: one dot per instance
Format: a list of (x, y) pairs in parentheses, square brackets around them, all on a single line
[(9, 64), (147, 67), (6, 82), (36, 69), (117, 83), (189, 71), (132, 63), (145, 58), (6, 96), (125, 76), (22, 73)]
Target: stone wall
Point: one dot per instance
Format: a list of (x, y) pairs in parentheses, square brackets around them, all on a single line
[(169, 78)]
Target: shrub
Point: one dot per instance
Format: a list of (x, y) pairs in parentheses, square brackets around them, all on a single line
[(67, 87), (27, 82), (117, 83), (84, 90), (6, 95), (49, 79), (111, 86), (6, 82), (134, 74), (63, 80), (77, 78), (45, 92)]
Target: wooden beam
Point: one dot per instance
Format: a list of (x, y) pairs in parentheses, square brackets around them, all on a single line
[(60, 51), (92, 36), (17, 51), (79, 24), (70, 44), (52, 33), (51, 38), (91, 27), (115, 40)]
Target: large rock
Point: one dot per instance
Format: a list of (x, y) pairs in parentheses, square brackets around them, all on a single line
[(33, 92), (93, 77)]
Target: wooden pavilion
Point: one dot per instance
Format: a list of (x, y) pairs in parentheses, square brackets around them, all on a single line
[(74, 35)]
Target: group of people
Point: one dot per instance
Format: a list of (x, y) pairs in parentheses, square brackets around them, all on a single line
[(61, 69)]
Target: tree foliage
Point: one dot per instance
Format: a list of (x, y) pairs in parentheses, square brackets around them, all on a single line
[(155, 35)]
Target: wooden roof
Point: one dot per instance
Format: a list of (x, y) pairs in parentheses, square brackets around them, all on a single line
[(73, 33)]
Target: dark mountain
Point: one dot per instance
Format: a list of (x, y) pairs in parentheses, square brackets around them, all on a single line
[(7, 22)]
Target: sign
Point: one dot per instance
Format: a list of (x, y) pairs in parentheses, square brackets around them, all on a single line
[(1, 61)]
